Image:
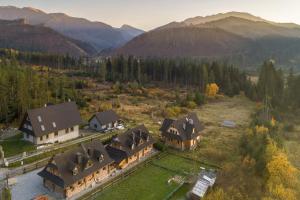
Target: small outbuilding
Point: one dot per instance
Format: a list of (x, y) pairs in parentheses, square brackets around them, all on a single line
[(107, 120), (206, 179)]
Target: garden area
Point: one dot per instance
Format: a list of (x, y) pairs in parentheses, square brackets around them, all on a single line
[(15, 145), (163, 176)]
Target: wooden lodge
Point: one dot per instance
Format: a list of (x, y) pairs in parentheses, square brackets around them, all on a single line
[(130, 146), (73, 171), (183, 133)]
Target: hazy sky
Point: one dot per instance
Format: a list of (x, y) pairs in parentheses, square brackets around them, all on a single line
[(148, 14)]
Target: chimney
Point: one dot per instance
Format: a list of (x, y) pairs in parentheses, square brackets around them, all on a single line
[(79, 158), (89, 151)]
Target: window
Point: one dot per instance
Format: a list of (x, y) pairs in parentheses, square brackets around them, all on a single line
[(39, 118), (47, 136), (41, 138), (43, 127), (54, 124), (27, 135), (72, 129), (56, 133), (67, 130), (104, 168)]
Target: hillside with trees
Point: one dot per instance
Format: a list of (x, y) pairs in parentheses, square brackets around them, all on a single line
[(19, 35), (238, 38)]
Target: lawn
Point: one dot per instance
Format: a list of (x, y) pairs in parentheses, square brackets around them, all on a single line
[(148, 183), (151, 182), (178, 164), (182, 192), (15, 145)]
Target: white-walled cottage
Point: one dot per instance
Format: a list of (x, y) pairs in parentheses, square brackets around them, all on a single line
[(51, 124), (104, 121)]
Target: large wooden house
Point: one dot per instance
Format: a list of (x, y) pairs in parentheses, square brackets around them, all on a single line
[(51, 123), (104, 121), (183, 133), (75, 170), (130, 146)]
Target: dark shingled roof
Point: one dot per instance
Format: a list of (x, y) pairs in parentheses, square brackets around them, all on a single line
[(93, 152), (106, 117), (130, 142), (184, 125), (52, 118)]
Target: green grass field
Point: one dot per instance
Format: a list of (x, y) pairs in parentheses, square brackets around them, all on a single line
[(151, 182), (148, 183), (15, 145)]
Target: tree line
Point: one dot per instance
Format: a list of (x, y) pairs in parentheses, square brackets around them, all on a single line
[(173, 72), (22, 88)]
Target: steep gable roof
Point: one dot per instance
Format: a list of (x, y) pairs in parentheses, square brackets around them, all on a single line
[(129, 142), (53, 118), (188, 127), (93, 153), (106, 117)]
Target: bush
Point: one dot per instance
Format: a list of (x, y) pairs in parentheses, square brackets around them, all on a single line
[(105, 106), (173, 111), (159, 146), (6, 194), (191, 105)]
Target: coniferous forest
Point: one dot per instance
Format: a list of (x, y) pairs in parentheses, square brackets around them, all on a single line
[(23, 88)]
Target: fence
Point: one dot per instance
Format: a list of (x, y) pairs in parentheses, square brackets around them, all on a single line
[(26, 169), (122, 176), (194, 160)]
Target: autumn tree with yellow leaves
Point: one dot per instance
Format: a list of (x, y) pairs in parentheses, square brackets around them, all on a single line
[(282, 175), (212, 90)]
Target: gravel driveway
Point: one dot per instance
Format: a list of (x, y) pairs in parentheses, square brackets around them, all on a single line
[(28, 186)]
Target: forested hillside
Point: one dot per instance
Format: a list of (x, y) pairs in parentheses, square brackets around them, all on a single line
[(237, 38), (22, 87), (24, 37)]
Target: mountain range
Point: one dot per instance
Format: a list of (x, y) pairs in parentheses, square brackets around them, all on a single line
[(99, 35), (240, 38), (17, 34)]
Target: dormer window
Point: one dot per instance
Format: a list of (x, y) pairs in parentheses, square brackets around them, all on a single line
[(39, 118), (43, 127), (89, 164), (54, 124), (101, 158), (75, 171)]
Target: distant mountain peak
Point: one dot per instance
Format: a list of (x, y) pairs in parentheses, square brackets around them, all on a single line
[(97, 34), (32, 9)]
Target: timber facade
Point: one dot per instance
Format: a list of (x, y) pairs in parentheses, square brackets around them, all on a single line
[(182, 134), (130, 146), (76, 170)]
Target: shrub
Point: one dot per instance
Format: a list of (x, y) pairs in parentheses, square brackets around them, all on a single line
[(173, 111), (105, 106), (6, 194), (191, 104), (159, 146)]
